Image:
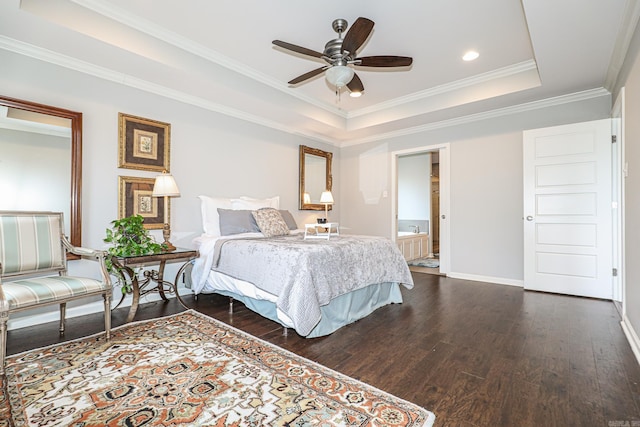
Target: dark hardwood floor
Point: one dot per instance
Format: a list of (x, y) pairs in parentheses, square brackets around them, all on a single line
[(475, 354)]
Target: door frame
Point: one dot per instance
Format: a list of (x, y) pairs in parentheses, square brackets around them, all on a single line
[(445, 188), (618, 173)]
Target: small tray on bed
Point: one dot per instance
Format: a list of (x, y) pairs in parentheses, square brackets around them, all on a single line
[(321, 231)]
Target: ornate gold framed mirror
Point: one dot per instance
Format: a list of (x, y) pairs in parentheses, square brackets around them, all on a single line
[(44, 144), (315, 177)]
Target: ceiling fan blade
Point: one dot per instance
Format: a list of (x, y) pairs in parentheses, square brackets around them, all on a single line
[(356, 35), (307, 76), (297, 49), (355, 85), (384, 61)]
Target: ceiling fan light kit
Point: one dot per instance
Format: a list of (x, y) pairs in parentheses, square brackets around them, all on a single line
[(339, 75), (340, 55)]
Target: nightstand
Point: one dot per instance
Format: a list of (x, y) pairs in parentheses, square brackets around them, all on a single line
[(139, 286), (321, 231)]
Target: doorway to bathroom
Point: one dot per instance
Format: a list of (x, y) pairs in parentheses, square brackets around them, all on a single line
[(420, 208)]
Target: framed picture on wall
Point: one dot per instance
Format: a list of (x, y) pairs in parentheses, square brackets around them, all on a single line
[(144, 143), (135, 199)]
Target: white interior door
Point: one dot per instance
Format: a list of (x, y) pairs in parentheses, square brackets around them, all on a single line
[(567, 209)]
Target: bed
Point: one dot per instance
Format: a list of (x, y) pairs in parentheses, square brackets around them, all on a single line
[(314, 286)]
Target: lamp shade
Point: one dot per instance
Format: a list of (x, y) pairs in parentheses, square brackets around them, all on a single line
[(339, 75), (306, 199), (326, 197), (165, 185)]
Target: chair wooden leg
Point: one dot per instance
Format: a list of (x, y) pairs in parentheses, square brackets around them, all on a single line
[(4, 317), (107, 316), (63, 314)]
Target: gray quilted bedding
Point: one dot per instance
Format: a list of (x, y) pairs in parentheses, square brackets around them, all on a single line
[(307, 274)]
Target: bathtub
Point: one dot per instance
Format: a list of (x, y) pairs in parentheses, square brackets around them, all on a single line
[(413, 245), (411, 233)]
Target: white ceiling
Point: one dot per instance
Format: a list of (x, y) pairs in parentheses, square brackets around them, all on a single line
[(218, 55)]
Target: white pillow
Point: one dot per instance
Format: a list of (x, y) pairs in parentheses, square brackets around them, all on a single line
[(210, 217), (247, 203)]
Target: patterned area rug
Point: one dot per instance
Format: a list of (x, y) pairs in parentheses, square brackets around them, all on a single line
[(188, 369), (425, 262)]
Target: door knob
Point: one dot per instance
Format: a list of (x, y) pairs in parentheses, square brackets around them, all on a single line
[(529, 218), (443, 217)]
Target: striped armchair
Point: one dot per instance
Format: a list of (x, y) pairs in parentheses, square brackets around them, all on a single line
[(33, 269)]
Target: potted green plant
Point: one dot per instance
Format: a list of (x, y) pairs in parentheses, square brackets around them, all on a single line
[(128, 237)]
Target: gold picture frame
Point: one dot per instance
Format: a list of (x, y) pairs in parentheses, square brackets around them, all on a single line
[(135, 199), (144, 144)]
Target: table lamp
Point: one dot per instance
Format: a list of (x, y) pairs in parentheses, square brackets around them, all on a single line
[(165, 186), (327, 199)]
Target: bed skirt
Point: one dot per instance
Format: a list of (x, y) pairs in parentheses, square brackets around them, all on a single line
[(341, 311)]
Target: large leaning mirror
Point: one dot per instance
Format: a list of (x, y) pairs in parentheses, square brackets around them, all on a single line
[(41, 162), (315, 177)]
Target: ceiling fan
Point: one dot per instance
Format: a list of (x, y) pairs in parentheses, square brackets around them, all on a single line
[(339, 53)]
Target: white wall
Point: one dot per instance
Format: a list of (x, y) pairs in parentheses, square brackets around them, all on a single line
[(414, 187), (486, 207), (630, 80)]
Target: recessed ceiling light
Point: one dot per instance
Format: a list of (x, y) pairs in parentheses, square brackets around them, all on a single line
[(471, 55)]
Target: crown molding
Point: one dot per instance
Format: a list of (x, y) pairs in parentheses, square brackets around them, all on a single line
[(508, 71), (25, 125), (74, 64), (65, 61), (500, 112), (144, 26), (630, 18)]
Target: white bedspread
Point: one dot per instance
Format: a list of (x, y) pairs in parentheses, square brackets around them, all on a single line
[(303, 274)]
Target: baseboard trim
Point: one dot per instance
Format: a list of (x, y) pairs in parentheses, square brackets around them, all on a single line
[(53, 314), (488, 279), (632, 337)]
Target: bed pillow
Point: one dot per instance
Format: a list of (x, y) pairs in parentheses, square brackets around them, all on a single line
[(288, 219), (210, 218), (254, 204), (236, 222), (270, 222)]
